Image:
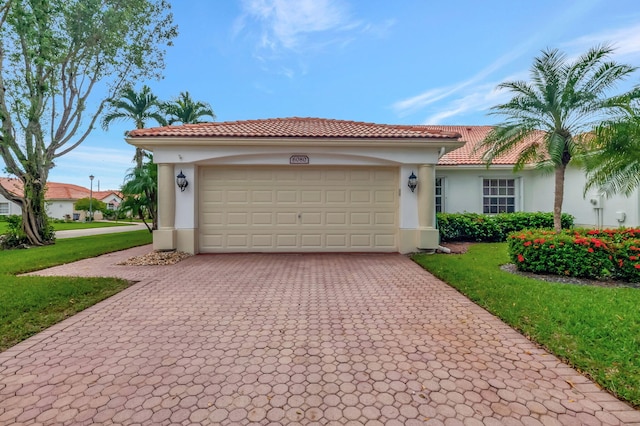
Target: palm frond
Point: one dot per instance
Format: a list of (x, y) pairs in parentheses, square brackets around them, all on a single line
[(614, 164)]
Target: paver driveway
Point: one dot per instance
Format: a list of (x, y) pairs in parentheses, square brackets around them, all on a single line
[(289, 339)]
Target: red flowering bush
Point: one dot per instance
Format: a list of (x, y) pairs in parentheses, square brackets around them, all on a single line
[(580, 253), (627, 259)]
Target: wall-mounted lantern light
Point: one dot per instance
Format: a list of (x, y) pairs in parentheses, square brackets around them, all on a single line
[(181, 181), (413, 182)]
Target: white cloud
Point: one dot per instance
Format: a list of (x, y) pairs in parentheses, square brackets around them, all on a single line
[(482, 98), (415, 103), (475, 94), (108, 165), (287, 23), (626, 41)]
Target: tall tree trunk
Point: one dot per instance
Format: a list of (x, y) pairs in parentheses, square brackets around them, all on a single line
[(559, 196), (35, 223), (139, 156), (152, 196)]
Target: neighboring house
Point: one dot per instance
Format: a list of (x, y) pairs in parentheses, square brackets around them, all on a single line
[(295, 185), (7, 207), (465, 184), (61, 198), (112, 199)]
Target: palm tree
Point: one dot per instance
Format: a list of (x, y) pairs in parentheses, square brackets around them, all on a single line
[(613, 166), (187, 111), (547, 118), (139, 107), (140, 192)]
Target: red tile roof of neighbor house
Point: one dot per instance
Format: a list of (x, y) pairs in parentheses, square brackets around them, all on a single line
[(58, 191), (295, 127), (470, 154)]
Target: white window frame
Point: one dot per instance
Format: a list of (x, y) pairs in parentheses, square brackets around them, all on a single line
[(500, 195), (441, 196)]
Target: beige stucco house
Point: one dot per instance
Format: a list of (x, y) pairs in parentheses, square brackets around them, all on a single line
[(296, 185)]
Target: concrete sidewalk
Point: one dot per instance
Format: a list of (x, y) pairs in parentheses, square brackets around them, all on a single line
[(289, 339), (99, 231)]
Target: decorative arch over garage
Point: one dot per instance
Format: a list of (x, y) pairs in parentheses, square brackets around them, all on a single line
[(295, 185)]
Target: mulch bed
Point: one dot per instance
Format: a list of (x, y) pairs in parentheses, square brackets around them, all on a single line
[(156, 257)]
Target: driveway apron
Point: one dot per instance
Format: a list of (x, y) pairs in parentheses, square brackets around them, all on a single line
[(289, 339)]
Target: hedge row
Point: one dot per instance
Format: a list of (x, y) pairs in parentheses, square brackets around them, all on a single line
[(583, 253), (493, 228)]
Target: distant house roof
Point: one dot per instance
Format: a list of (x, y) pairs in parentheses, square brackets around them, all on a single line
[(12, 185), (295, 127), (65, 191), (59, 191), (103, 195), (469, 154)]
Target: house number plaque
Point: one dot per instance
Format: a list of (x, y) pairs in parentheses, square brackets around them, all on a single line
[(299, 159)]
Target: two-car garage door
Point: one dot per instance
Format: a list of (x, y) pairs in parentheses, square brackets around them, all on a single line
[(298, 208)]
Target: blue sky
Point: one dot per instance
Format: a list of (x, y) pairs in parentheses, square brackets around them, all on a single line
[(400, 62)]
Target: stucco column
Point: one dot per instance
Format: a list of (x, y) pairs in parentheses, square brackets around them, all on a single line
[(426, 195), (428, 236), (164, 238)]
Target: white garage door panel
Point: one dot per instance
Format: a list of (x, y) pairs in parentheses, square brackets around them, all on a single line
[(298, 209)]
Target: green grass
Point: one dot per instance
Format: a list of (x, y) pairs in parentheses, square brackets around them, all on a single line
[(28, 305), (65, 226), (595, 329)]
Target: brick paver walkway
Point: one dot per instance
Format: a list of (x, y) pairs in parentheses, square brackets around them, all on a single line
[(290, 339)]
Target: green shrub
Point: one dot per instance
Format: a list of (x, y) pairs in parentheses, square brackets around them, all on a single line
[(627, 260), (14, 236), (583, 253), (493, 228)]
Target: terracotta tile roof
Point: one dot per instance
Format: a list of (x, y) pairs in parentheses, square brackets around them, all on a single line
[(466, 155), (65, 191), (101, 195), (295, 127), (59, 191), (12, 185)]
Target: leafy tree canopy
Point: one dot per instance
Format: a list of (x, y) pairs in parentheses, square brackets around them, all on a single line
[(139, 107), (86, 204), (547, 117), (60, 62), (187, 111), (140, 191), (613, 165)]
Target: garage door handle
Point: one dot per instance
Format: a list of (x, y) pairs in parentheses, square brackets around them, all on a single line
[(299, 215)]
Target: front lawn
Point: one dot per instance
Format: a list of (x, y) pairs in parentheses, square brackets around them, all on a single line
[(595, 329), (28, 305), (65, 226)]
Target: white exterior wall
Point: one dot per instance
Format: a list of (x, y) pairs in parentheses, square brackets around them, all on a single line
[(587, 215), (13, 207), (463, 193), (463, 188), (186, 216), (57, 209)]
